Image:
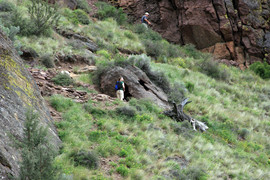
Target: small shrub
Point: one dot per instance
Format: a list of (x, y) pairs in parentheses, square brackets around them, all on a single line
[(86, 158), (139, 29), (6, 6), (60, 103), (83, 4), (122, 170), (37, 153), (126, 111), (82, 16), (97, 136), (144, 105), (213, 69), (47, 60), (152, 35), (43, 15), (129, 35), (191, 51), (261, 69), (144, 118), (177, 93), (190, 86), (178, 62), (106, 10), (63, 79), (104, 53), (184, 128), (153, 48), (243, 133), (10, 32), (123, 153), (196, 173)]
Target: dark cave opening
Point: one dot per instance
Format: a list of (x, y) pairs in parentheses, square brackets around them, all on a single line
[(143, 84), (127, 95)]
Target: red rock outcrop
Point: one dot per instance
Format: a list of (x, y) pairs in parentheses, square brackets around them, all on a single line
[(230, 29)]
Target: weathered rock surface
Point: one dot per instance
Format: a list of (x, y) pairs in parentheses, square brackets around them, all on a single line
[(138, 85), (48, 88), (244, 24), (18, 91)]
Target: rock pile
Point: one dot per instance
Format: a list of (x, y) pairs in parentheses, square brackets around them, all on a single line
[(48, 88)]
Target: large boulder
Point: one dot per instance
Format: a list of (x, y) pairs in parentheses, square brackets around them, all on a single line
[(138, 85), (18, 92), (208, 24)]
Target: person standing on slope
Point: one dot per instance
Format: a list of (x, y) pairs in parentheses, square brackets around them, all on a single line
[(144, 20), (120, 88)]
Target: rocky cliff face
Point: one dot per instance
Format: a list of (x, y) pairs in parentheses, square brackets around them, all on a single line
[(18, 92), (237, 30)]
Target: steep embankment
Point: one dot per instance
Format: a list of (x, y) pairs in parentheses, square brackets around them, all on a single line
[(233, 30), (18, 92)]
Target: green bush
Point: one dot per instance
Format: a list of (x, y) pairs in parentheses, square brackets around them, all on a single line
[(60, 103), (94, 110), (47, 60), (63, 79), (243, 133), (86, 158), (97, 136), (153, 48), (151, 35), (177, 93), (191, 51), (10, 32), (190, 86), (122, 170), (126, 111), (104, 53), (106, 10), (83, 4), (81, 16), (37, 154), (6, 6), (262, 69), (213, 69), (139, 28), (43, 15)]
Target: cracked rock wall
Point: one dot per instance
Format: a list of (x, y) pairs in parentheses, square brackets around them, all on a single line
[(236, 30)]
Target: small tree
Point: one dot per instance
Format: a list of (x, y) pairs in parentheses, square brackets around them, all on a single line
[(37, 154), (43, 15)]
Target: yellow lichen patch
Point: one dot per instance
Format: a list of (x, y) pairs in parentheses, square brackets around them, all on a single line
[(15, 79)]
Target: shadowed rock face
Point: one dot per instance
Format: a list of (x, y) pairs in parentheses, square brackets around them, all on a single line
[(237, 28), (18, 91), (138, 85)]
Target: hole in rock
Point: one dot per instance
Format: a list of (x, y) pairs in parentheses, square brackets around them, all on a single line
[(143, 84), (127, 94)]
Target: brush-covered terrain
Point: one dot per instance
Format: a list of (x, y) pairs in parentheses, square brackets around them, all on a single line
[(111, 139)]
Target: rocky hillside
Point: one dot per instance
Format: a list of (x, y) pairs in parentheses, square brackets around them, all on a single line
[(18, 91), (81, 56), (235, 30)]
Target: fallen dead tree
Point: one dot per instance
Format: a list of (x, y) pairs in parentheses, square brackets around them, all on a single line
[(178, 114)]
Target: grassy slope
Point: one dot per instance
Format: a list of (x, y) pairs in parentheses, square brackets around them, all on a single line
[(137, 147)]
